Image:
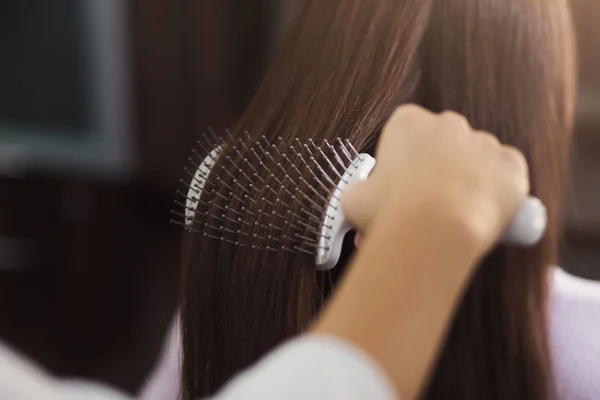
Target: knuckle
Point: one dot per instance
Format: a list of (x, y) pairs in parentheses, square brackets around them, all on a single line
[(518, 163), (488, 139), (454, 118), (514, 155)]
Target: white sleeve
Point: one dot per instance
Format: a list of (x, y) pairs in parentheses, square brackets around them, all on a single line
[(574, 327), (164, 383), (312, 367), (21, 379)]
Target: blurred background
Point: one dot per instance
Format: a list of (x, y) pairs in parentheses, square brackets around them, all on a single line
[(100, 103)]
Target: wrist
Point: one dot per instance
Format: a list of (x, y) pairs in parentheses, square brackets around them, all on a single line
[(430, 223), (400, 293)]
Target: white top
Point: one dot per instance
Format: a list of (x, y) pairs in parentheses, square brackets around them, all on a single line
[(327, 368), (574, 309), (313, 367), (575, 336)]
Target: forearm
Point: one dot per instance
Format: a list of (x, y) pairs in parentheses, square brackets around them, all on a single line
[(392, 304)]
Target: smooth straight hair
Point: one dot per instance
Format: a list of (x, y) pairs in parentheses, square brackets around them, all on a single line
[(343, 67)]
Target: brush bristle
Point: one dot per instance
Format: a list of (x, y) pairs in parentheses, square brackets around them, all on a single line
[(261, 195)]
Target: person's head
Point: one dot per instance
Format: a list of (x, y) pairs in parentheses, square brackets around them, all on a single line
[(344, 66)]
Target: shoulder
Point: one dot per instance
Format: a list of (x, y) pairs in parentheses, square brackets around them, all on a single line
[(574, 338)]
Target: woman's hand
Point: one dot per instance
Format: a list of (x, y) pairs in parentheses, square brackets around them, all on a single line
[(440, 162)]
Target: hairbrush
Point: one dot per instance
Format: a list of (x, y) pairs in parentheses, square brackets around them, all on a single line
[(281, 197)]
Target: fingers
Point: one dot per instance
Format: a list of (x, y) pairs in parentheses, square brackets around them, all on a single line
[(409, 112), (419, 119), (415, 116), (516, 161), (509, 158), (409, 115), (455, 121), (515, 158), (429, 145), (487, 140)]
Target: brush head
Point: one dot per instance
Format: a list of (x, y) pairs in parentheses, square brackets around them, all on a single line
[(271, 196), (336, 224)]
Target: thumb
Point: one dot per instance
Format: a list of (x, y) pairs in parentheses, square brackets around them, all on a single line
[(358, 204)]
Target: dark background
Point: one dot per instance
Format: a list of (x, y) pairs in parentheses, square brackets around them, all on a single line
[(88, 265), (32, 34)]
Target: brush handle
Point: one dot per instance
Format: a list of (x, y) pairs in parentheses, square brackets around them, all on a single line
[(528, 226)]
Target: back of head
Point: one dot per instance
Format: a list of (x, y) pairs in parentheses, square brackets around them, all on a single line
[(343, 68)]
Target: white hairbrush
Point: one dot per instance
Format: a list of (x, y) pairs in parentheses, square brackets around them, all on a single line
[(299, 211)]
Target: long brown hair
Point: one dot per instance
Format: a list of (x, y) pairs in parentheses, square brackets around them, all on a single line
[(342, 69)]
